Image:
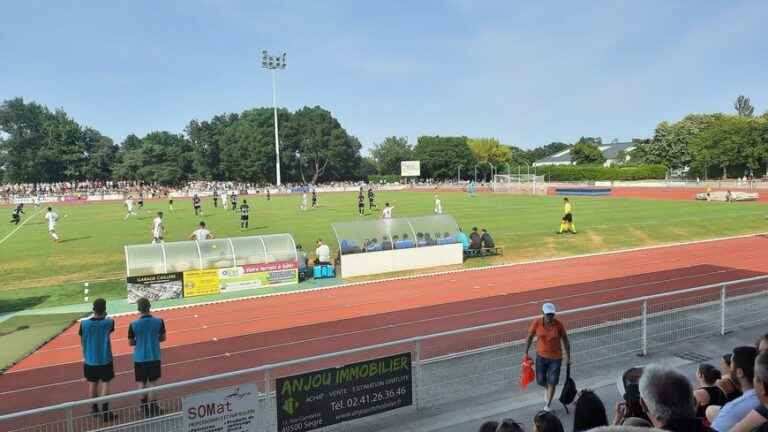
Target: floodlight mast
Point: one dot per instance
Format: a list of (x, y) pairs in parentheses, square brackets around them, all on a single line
[(274, 63)]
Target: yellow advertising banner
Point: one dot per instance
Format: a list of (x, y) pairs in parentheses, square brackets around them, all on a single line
[(201, 282)]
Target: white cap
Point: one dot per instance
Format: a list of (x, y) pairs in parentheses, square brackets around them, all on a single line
[(548, 308)]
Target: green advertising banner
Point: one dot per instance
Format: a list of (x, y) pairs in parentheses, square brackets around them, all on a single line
[(317, 399)]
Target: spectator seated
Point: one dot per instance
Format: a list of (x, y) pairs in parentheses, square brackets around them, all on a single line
[(405, 243), (421, 240), (463, 239), (349, 246), (373, 245)]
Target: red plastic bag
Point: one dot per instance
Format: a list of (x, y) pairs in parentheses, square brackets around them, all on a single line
[(527, 374)]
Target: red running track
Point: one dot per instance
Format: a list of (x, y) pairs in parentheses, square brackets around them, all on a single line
[(208, 339)]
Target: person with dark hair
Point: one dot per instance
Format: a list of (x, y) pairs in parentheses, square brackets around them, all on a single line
[(145, 335), (762, 344), (667, 397), (757, 419), (546, 421), (709, 393), (474, 239), (509, 425), (743, 369), (486, 240), (589, 412), (489, 426), (726, 383), (98, 369)]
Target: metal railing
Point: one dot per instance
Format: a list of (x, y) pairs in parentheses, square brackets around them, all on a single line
[(456, 364)]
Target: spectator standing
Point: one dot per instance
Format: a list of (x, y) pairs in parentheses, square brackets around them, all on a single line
[(145, 335), (743, 370), (474, 239), (708, 393), (322, 253), (667, 397), (98, 369), (545, 421), (589, 412), (551, 337)]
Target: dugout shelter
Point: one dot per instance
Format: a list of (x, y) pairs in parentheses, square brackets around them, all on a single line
[(387, 245), (205, 267)]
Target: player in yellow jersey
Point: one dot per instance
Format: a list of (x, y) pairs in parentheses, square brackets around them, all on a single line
[(566, 223)]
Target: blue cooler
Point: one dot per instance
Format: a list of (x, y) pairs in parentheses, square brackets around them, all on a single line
[(328, 271)]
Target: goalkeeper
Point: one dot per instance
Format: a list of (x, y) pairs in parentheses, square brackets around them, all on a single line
[(566, 223)]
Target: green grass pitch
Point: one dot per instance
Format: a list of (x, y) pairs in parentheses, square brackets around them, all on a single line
[(38, 273)]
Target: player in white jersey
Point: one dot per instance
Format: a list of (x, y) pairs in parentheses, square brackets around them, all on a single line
[(129, 206), (158, 228), (304, 201), (387, 212), (438, 205), (52, 218), (201, 233)]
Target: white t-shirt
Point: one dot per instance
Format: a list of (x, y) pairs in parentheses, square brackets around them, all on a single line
[(387, 212), (304, 198), (438, 206), (323, 253), (157, 227), (51, 217), (201, 234), (129, 204)]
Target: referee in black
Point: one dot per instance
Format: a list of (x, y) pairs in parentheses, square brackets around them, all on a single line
[(145, 335)]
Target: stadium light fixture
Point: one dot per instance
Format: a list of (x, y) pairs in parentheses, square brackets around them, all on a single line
[(274, 63)]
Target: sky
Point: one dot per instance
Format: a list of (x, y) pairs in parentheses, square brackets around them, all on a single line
[(527, 73)]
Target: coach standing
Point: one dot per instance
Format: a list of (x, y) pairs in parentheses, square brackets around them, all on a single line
[(98, 369), (145, 335), (551, 337)]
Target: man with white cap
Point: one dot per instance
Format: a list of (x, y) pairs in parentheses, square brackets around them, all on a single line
[(551, 338)]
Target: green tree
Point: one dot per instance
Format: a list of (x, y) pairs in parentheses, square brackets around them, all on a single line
[(586, 151), (743, 106), (101, 155), (205, 137), (723, 143), (489, 151), (248, 146), (550, 149), (368, 167), (441, 156), (161, 157), (389, 153)]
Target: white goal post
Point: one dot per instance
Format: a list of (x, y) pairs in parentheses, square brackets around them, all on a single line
[(520, 184)]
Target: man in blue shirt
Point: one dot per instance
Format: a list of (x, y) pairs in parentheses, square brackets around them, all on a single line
[(743, 369), (97, 355), (145, 335)]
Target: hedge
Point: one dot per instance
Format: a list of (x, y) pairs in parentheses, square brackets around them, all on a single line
[(597, 173), (385, 178)]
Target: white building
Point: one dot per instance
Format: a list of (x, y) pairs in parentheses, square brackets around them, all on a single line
[(610, 152)]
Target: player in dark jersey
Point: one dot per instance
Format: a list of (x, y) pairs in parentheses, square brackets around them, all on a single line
[(268, 195), (244, 209), (215, 199), (141, 200), (233, 201), (314, 198), (360, 203), (371, 199), (16, 215), (197, 205)]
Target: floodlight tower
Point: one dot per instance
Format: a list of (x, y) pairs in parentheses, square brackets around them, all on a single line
[(274, 63)]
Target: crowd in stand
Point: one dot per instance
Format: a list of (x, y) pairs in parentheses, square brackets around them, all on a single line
[(733, 398)]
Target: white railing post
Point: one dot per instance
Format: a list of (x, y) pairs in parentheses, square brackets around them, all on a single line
[(417, 375), (70, 420), (267, 412), (644, 341), (722, 309)]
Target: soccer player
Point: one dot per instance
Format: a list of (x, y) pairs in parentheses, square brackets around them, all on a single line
[(97, 352), (233, 201), (566, 223), (129, 206), (36, 200), (198, 206), (145, 335), (304, 200), (141, 200), (371, 199), (16, 215), (244, 214), (170, 204), (201, 233), (387, 212), (52, 217), (438, 205), (360, 203), (225, 200), (215, 199), (471, 189), (268, 195), (158, 228), (314, 198)]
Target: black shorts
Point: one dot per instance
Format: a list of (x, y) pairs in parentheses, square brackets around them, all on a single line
[(103, 373), (244, 218), (568, 217), (147, 371)]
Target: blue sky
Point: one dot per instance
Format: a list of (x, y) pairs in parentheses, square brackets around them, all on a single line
[(527, 73)]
